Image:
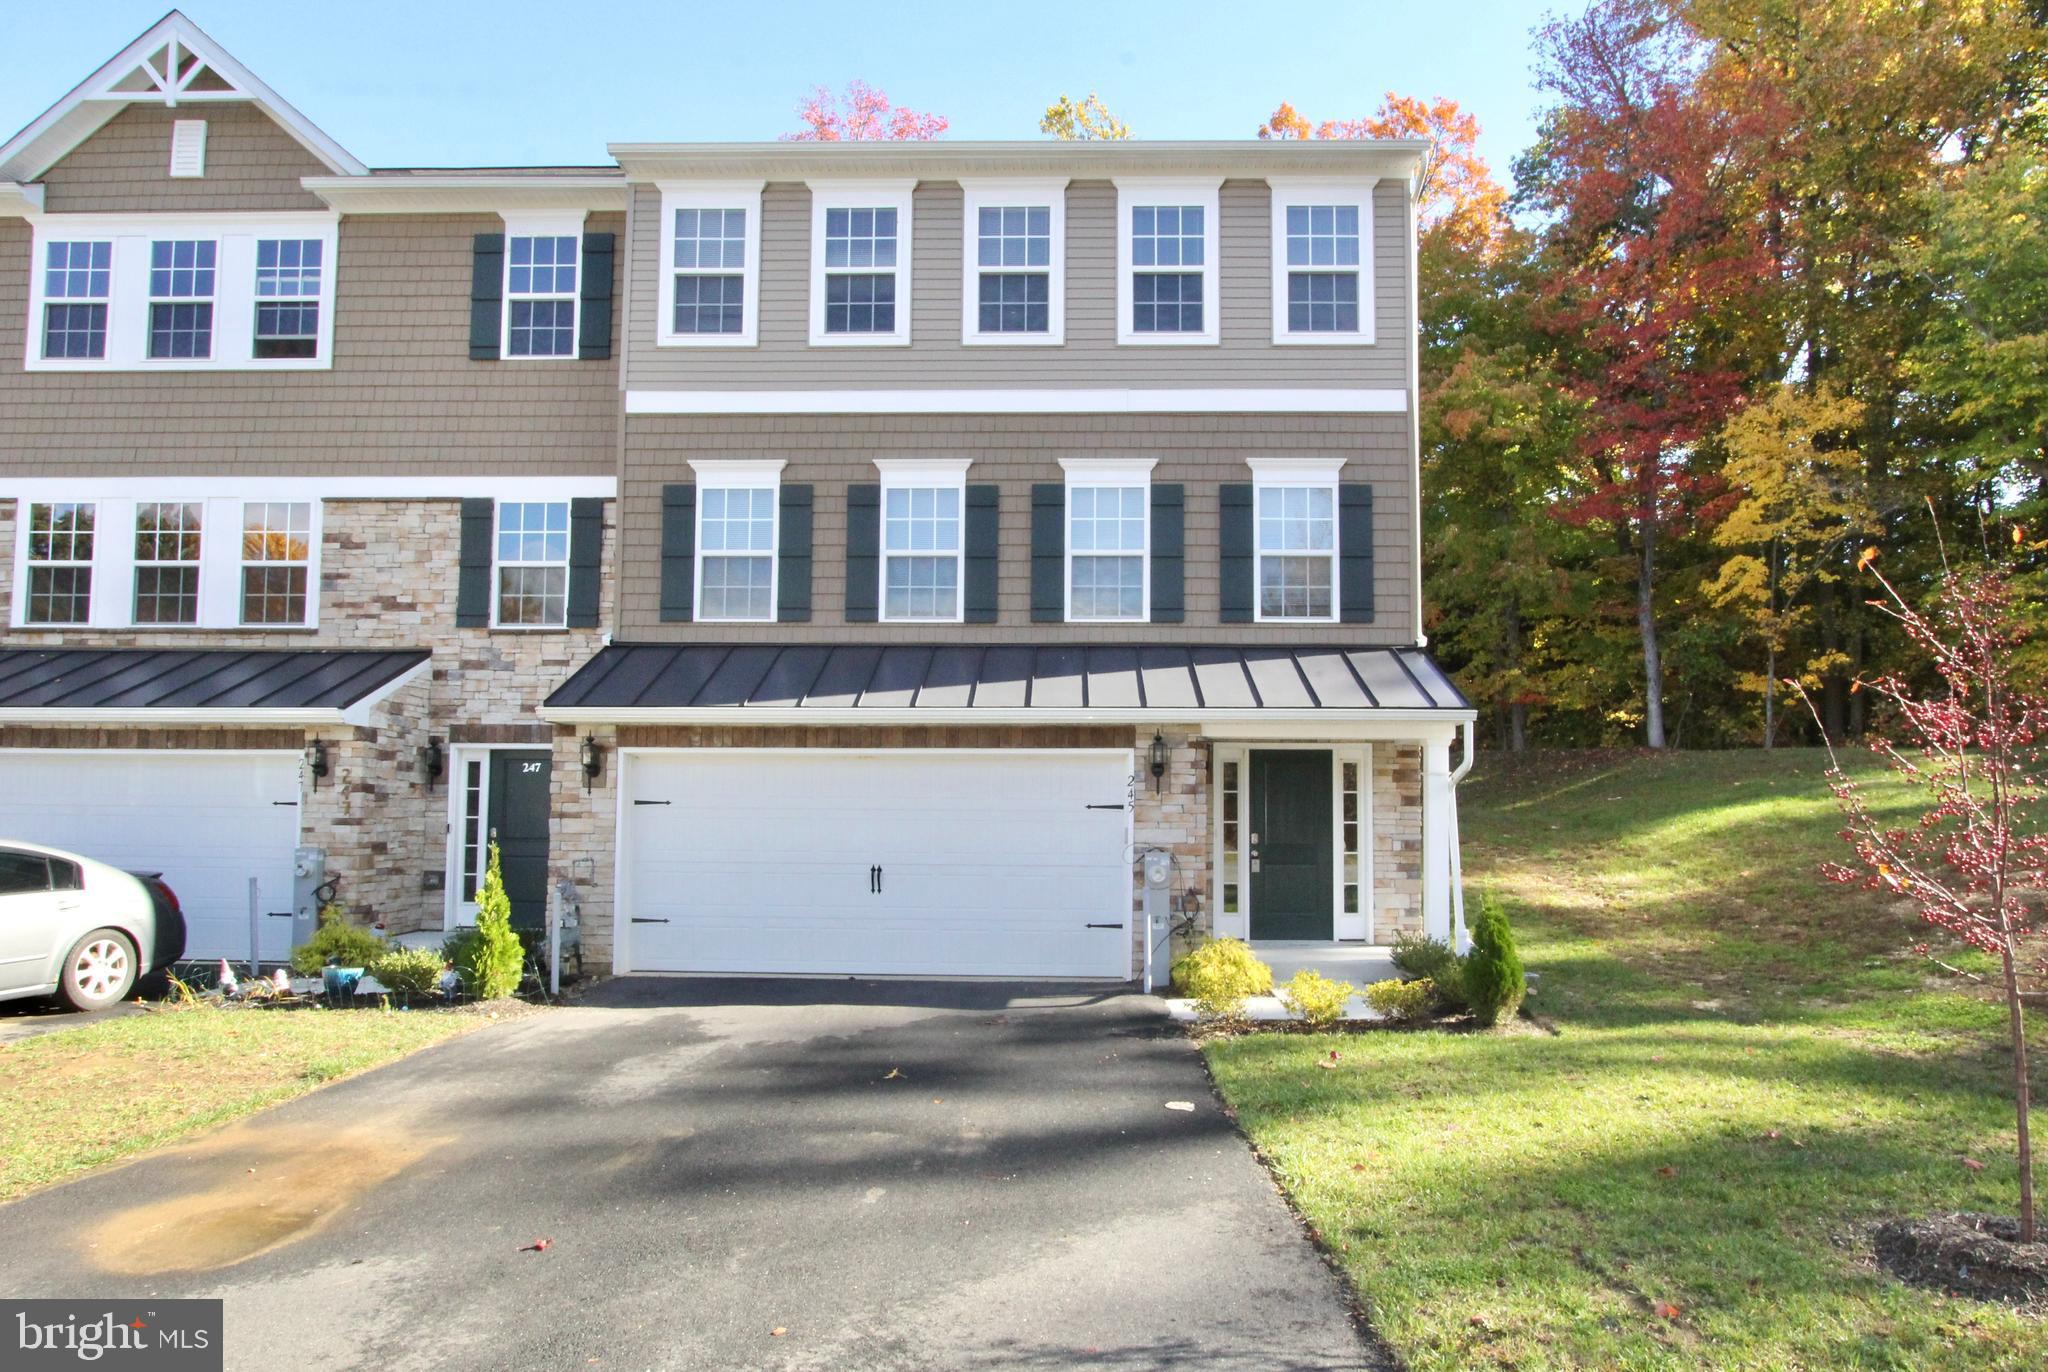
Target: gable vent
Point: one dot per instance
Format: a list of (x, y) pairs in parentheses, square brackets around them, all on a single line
[(188, 147)]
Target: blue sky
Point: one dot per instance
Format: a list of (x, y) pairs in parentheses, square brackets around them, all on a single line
[(428, 83)]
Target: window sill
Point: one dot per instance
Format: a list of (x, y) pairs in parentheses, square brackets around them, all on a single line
[(701, 340), (1323, 340), (1168, 340), (179, 364), (1004, 340), (840, 340)]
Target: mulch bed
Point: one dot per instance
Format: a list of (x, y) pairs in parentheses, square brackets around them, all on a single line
[(1967, 1254)]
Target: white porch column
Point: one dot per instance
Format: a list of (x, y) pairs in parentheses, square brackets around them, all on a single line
[(1437, 837)]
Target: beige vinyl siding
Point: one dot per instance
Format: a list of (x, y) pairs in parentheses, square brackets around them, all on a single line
[(403, 396), (251, 164), (1091, 356), (1200, 452)]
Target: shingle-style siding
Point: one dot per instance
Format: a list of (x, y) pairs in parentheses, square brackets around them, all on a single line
[(402, 398), (251, 164), (1091, 355), (1013, 451)]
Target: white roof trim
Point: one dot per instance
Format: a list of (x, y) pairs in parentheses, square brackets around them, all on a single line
[(428, 193), (18, 201), (1023, 400), (1399, 723), (92, 102)]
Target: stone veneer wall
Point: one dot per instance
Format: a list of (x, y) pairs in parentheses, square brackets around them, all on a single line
[(388, 578), (1175, 817), (1396, 840)]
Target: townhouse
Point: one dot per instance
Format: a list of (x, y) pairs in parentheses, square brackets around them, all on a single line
[(803, 558)]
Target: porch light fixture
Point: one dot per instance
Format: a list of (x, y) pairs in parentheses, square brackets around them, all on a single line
[(1158, 755), (431, 761), (591, 758), (316, 761)]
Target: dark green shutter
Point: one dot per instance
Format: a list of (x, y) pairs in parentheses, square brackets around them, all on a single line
[(678, 552), (486, 296), (863, 553), (983, 528), (1354, 553), (473, 589), (793, 557), (1235, 542), (1048, 552), (586, 555), (594, 331), (1169, 548)]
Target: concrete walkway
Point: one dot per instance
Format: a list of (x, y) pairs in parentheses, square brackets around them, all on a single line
[(731, 1174)]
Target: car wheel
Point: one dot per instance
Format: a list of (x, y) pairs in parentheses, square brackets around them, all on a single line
[(98, 971)]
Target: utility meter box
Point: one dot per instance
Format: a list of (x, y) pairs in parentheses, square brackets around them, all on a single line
[(1157, 869), (309, 874)]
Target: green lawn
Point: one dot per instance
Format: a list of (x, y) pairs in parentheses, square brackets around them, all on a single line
[(76, 1098), (1747, 1065)]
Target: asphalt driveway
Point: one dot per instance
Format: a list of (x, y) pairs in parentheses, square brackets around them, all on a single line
[(730, 1174)]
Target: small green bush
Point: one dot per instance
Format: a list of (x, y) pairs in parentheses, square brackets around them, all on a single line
[(489, 958), (1220, 976), (337, 943), (414, 971), (1420, 958), (1400, 1000), (1318, 1000), (1494, 980)]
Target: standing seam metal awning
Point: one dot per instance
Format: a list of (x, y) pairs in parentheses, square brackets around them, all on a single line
[(308, 685), (630, 679)]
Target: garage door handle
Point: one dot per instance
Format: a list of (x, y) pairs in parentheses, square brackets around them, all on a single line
[(875, 881), (1105, 926), (640, 919), (292, 803), (1107, 807), (650, 802), (278, 914)]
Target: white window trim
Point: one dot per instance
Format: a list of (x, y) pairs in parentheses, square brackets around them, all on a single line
[(1111, 472), (980, 194), (893, 194), (568, 223), (1134, 191), (1295, 191), (151, 300), (1268, 472), (913, 472), (568, 568), (737, 475), (710, 195), (311, 564), (1361, 927), (220, 553), (234, 288), (136, 564)]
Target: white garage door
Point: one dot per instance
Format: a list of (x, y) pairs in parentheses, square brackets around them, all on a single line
[(207, 820), (904, 863)]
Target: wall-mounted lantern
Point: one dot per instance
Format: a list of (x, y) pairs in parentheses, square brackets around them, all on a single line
[(316, 761), (431, 761), (592, 758), (1158, 754)]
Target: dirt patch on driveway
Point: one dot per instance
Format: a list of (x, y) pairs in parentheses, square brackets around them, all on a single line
[(263, 1188)]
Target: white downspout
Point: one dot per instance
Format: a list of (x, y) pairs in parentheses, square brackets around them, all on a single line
[(1460, 939)]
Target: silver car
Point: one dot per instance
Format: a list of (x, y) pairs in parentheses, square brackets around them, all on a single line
[(79, 929)]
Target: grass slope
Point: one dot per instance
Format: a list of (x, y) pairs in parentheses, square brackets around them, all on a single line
[(1748, 1066), (77, 1098)]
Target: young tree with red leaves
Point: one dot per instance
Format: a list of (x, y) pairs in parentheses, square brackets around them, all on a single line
[(862, 114), (1978, 854), (1658, 278)]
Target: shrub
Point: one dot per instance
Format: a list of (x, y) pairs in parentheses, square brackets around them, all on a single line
[(337, 943), (1494, 981), (1418, 957), (489, 958), (414, 971), (1400, 1000), (1220, 976), (1317, 999)]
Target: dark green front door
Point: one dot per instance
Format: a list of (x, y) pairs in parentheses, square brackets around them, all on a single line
[(1290, 842), (518, 811)]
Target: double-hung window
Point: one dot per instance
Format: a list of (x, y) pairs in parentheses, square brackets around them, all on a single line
[(1295, 514), (1322, 254), (736, 539), (167, 562), (713, 247), (181, 287), (532, 564), (1166, 261), (77, 285), (60, 547), (540, 294), (860, 262), (1108, 539), (922, 500), (277, 555), (288, 297), (1015, 251)]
